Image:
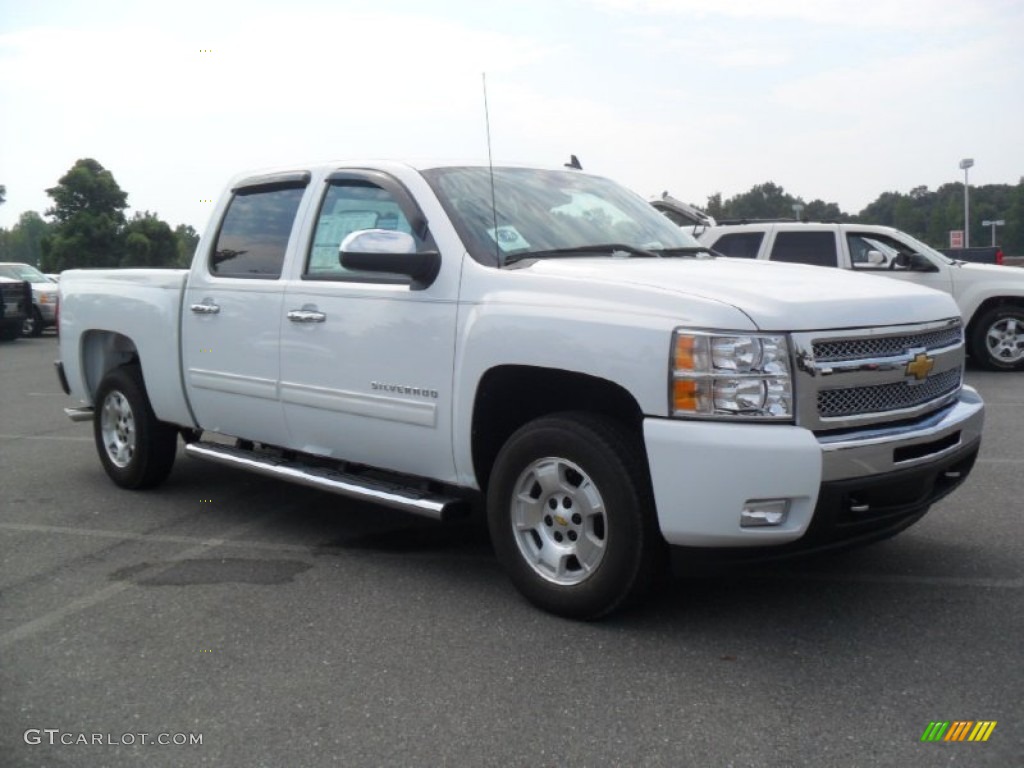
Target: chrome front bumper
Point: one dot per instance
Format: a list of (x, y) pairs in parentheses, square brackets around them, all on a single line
[(876, 451)]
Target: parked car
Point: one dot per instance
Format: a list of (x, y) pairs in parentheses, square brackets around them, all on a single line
[(991, 298), (15, 307), (45, 295)]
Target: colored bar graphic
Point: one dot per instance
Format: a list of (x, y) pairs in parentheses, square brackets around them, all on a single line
[(982, 730), (958, 730)]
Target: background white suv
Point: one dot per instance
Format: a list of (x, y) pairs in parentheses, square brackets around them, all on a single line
[(991, 298)]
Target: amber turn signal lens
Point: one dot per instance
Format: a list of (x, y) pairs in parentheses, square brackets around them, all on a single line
[(685, 349), (684, 396)]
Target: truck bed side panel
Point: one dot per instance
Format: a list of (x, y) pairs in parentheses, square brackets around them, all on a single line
[(107, 316)]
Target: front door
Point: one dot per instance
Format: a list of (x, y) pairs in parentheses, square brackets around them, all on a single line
[(367, 358)]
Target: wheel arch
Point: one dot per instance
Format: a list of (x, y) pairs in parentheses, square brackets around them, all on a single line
[(509, 396), (101, 352), (984, 308)]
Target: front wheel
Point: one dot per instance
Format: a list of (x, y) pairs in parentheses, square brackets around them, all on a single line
[(997, 342), (33, 325), (571, 517), (136, 450)]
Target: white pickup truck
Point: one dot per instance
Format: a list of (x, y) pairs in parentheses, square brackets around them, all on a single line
[(990, 297), (541, 340)]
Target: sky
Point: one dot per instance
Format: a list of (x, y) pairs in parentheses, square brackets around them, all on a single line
[(830, 99)]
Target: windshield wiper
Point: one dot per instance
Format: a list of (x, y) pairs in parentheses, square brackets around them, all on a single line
[(582, 250), (684, 250)]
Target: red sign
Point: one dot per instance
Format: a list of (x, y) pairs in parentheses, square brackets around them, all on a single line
[(956, 238)]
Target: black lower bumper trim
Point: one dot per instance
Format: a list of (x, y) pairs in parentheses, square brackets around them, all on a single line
[(861, 510)]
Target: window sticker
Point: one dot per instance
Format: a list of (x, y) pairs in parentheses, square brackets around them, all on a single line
[(508, 239)]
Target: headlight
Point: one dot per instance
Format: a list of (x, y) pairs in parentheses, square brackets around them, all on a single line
[(744, 376)]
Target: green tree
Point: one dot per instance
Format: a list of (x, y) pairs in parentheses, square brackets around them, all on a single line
[(148, 242), (819, 210), (23, 242), (187, 240), (88, 215)]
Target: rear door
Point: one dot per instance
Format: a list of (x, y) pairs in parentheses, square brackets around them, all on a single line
[(232, 313), (817, 247)]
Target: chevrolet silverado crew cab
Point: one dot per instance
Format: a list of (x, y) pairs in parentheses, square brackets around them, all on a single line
[(542, 341), (990, 297)]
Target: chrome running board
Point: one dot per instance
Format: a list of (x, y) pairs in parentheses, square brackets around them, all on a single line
[(79, 414), (354, 486)]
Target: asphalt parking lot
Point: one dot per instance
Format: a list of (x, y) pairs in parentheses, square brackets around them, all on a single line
[(286, 627)]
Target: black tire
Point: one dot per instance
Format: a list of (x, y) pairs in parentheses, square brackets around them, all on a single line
[(33, 325), (565, 553), (136, 450), (997, 338)]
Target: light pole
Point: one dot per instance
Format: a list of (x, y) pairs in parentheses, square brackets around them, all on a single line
[(966, 163), (993, 224), (797, 210)]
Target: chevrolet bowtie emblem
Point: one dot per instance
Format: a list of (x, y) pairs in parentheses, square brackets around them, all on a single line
[(920, 366)]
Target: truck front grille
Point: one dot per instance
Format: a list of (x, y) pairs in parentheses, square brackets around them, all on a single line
[(15, 299), (871, 376), (886, 346), (886, 397)]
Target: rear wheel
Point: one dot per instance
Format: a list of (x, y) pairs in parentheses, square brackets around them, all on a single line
[(997, 341), (136, 450), (570, 515)]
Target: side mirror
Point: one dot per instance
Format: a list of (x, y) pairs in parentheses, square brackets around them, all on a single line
[(875, 258), (390, 252)]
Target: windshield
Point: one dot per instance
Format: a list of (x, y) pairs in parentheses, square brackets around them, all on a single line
[(550, 213), (23, 272)]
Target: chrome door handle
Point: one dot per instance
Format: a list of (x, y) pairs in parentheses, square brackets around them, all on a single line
[(306, 316), (206, 308)]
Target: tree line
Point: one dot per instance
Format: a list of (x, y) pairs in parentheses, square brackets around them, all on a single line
[(927, 215), (88, 226)]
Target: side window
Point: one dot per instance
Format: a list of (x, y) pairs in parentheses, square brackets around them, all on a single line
[(255, 231), (815, 248), (873, 251), (868, 253), (349, 207), (739, 245)]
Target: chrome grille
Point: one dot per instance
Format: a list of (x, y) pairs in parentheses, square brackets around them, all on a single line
[(885, 346), (886, 397), (859, 377)]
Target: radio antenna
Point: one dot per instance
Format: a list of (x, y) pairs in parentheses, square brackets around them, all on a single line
[(490, 168)]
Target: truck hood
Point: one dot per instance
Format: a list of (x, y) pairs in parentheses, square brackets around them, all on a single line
[(990, 271), (776, 297)]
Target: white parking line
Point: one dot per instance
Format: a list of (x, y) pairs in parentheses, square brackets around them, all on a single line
[(155, 538), (229, 541), (47, 620), (46, 437)]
